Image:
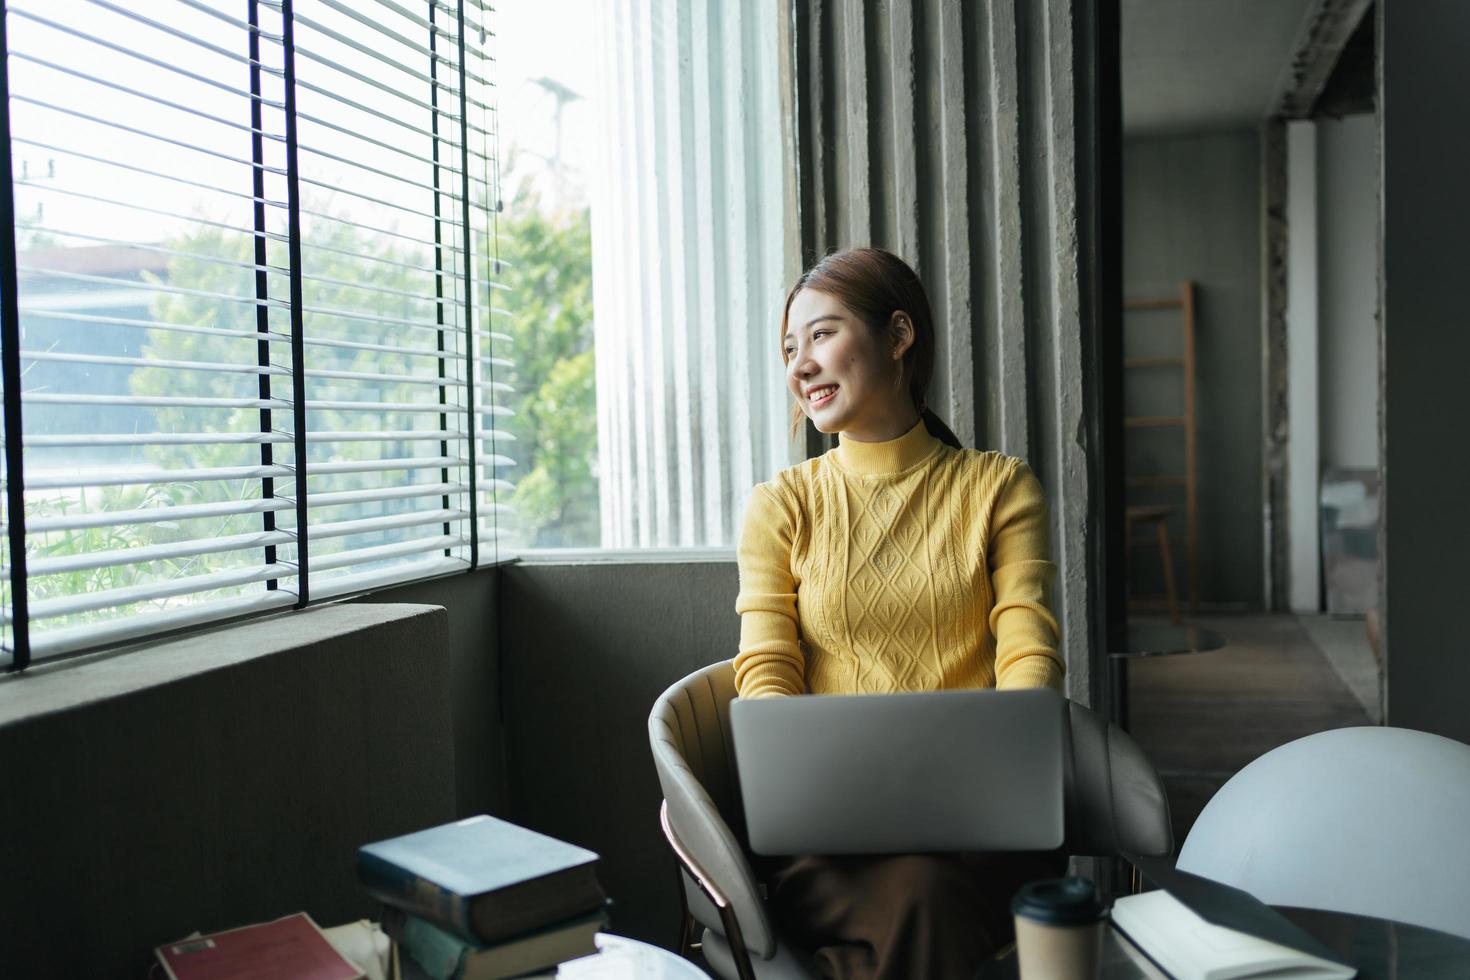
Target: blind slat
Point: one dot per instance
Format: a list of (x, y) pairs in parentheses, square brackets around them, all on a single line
[(106, 598), (255, 438), (366, 556), (136, 625), (124, 477), (141, 554), (241, 333), (133, 53), (184, 512)]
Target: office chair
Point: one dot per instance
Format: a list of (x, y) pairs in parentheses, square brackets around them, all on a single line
[(1114, 801), (1370, 821)]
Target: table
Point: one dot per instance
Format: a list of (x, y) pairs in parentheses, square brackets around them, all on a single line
[(1380, 949), (617, 958), (1153, 640), (621, 958)]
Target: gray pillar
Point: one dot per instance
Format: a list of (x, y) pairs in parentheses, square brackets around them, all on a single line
[(953, 134), (1425, 346)]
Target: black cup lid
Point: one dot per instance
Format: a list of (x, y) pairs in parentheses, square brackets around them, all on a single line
[(1059, 901)]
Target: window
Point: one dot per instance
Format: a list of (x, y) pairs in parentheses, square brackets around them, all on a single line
[(253, 348), (643, 169), (260, 346)]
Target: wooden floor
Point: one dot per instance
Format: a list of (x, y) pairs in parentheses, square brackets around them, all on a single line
[(1203, 717)]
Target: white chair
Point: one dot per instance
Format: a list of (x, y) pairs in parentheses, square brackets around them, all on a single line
[(1371, 821)]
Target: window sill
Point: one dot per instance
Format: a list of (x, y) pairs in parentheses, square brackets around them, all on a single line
[(50, 688), (625, 556)]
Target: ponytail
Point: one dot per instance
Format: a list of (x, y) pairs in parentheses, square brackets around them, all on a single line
[(938, 429)]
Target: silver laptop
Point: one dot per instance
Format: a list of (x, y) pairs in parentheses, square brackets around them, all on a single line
[(901, 773)]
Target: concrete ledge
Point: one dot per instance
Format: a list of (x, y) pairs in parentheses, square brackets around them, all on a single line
[(48, 688)]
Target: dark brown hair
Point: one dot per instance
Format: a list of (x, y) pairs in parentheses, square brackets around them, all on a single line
[(875, 285)]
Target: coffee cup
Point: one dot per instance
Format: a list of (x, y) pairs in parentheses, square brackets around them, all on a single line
[(1059, 929)]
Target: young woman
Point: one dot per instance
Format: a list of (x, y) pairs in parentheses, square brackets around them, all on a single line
[(898, 561)]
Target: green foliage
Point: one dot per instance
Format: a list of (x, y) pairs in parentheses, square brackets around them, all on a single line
[(556, 497)]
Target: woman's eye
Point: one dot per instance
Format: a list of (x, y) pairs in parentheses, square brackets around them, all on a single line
[(789, 351), (820, 333)]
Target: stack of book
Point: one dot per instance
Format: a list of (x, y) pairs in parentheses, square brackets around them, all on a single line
[(482, 899)]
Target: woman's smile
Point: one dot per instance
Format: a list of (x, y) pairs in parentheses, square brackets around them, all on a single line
[(819, 395)]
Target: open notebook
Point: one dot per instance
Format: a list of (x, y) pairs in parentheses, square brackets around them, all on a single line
[(1198, 929)]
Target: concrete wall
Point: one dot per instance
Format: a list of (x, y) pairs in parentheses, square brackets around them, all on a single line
[(1347, 341), (471, 605), (962, 136), (587, 649), (1424, 76), (1191, 211), (215, 781)]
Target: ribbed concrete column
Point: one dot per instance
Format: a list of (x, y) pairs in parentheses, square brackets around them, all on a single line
[(948, 132)]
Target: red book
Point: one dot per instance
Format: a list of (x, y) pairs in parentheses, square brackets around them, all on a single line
[(292, 948)]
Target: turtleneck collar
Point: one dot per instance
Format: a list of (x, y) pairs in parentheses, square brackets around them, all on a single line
[(881, 458)]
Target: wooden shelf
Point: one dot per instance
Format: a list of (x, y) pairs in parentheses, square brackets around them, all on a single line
[(1152, 538), (1154, 421), (1153, 362), (1153, 304)]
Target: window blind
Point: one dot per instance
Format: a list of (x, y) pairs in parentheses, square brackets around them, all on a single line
[(249, 308)]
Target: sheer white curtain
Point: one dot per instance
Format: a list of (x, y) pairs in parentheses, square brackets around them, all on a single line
[(687, 268)]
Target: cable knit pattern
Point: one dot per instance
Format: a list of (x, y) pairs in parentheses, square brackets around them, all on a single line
[(896, 566)]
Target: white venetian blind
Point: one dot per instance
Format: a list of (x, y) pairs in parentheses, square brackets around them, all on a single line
[(256, 348)]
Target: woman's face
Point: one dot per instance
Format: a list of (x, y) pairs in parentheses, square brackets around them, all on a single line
[(845, 378)]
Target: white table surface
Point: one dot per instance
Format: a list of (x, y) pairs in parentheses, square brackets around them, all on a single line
[(620, 958)]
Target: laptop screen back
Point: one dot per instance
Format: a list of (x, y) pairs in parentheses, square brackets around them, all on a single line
[(901, 773)]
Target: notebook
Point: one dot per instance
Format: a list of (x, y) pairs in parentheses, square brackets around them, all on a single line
[(901, 773)]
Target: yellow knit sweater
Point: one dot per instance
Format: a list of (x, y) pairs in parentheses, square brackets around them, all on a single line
[(896, 566)]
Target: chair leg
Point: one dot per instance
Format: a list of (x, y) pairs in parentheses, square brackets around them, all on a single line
[(1127, 557), (733, 935), (688, 925), (736, 940), (1168, 560)]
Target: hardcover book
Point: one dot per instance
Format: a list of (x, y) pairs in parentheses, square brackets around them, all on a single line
[(481, 878), (291, 948), (442, 955)]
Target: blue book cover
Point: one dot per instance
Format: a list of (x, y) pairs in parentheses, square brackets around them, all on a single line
[(482, 878)]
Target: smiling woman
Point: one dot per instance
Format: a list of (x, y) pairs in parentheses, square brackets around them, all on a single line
[(860, 319), (899, 561)]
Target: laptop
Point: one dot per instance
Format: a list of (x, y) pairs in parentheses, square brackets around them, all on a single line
[(901, 773)]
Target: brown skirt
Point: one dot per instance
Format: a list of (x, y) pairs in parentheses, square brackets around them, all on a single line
[(906, 916)]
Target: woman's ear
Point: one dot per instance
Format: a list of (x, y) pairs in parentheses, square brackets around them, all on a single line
[(901, 329)]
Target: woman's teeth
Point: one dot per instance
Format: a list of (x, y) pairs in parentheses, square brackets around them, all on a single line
[(822, 395)]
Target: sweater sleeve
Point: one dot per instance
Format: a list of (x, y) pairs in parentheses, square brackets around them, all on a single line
[(1021, 572), (770, 662)]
